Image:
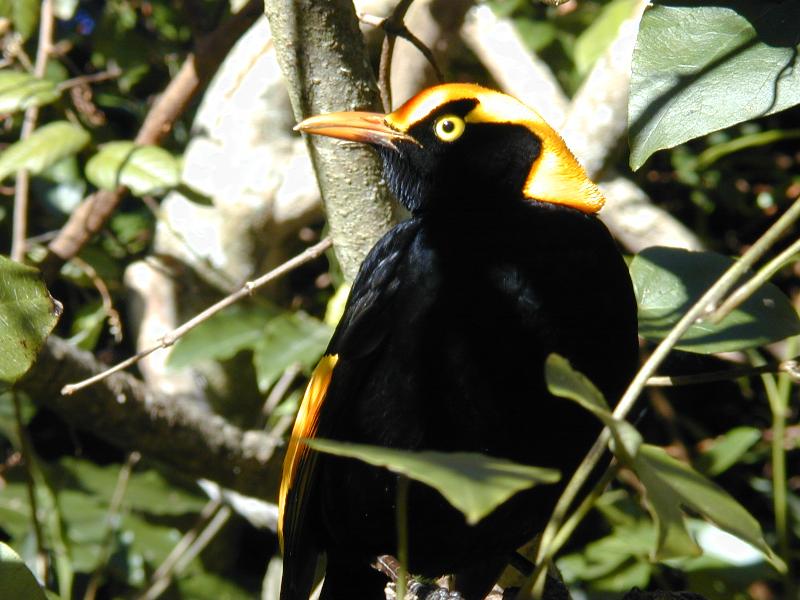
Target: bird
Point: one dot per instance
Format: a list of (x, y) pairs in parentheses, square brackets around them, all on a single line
[(443, 340)]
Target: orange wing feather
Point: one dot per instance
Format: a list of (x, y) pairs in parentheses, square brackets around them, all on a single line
[(296, 469)]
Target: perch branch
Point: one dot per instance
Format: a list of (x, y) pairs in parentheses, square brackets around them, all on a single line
[(126, 413)]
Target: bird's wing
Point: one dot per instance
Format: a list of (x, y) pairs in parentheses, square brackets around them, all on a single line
[(358, 334)]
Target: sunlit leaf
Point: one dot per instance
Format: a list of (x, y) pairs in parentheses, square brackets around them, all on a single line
[(670, 485), (16, 581), (668, 281), (45, 147), (27, 316), (19, 91), (142, 169), (700, 68), (473, 483)]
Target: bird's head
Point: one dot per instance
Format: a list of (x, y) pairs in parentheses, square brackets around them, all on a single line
[(461, 144)]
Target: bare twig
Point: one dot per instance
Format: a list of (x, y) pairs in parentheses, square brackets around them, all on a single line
[(791, 367), (188, 552), (30, 485), (113, 512), (111, 73), (21, 196), (170, 338), (749, 288), (114, 321), (394, 27)]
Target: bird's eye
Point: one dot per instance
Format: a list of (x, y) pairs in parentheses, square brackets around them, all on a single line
[(449, 128)]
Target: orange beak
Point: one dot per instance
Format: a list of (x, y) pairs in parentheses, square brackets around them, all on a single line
[(365, 127)]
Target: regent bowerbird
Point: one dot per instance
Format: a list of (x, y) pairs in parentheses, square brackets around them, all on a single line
[(444, 338)]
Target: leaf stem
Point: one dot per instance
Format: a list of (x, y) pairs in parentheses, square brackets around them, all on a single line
[(402, 535), (42, 563), (751, 286)]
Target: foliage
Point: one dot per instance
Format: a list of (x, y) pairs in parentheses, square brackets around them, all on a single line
[(713, 130)]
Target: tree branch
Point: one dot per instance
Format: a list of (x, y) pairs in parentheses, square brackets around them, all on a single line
[(322, 56), (123, 411)]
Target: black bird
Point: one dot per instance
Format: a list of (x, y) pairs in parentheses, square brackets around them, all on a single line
[(444, 337)]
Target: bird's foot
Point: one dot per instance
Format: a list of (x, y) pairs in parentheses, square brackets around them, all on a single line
[(422, 591)]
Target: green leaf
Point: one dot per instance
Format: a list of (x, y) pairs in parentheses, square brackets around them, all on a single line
[(27, 316), (19, 91), (727, 450), (16, 581), (144, 170), (565, 382), (697, 69), (668, 281), (24, 15), (222, 336), (287, 339), (45, 147), (595, 39), (473, 483), (670, 484)]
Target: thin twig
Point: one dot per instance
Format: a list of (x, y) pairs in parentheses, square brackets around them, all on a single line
[(111, 527), (749, 288), (21, 196), (279, 391), (394, 26), (170, 338), (790, 367), (42, 563), (566, 530), (114, 321), (714, 294), (111, 73), (189, 545)]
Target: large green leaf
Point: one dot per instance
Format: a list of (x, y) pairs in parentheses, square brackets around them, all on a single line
[(474, 483), (670, 485), (27, 316), (287, 339), (668, 281), (142, 169), (19, 91), (16, 581), (44, 148), (700, 68)]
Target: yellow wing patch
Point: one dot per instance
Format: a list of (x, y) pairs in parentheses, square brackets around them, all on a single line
[(305, 426)]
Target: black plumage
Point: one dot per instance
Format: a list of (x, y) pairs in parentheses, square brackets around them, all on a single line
[(442, 347)]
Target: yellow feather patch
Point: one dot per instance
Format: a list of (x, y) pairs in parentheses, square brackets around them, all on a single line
[(305, 426), (556, 176)]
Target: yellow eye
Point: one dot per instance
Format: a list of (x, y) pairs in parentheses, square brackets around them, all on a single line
[(449, 128)]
